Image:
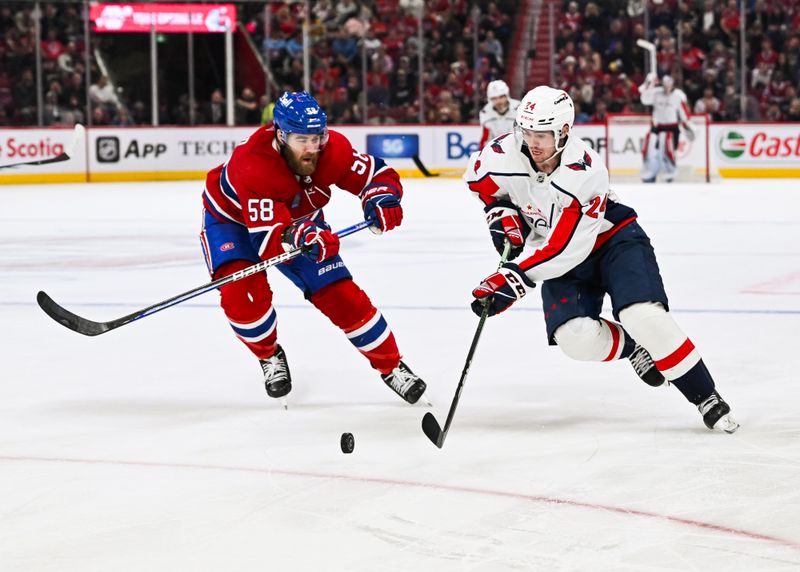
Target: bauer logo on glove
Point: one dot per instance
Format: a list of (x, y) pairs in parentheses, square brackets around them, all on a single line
[(381, 205)]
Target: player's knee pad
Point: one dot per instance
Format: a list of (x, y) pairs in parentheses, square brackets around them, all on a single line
[(654, 328), (246, 300), (584, 339)]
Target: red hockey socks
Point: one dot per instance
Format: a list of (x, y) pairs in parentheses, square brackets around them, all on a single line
[(349, 308), (248, 305)]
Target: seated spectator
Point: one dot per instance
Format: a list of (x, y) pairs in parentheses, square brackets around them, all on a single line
[(267, 107), (24, 92), (380, 116), (102, 94), (793, 114), (246, 108), (708, 104), (123, 118), (52, 113), (215, 109)]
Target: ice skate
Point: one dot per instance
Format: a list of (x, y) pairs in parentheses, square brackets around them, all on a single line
[(277, 379), (645, 367), (716, 414), (405, 383)]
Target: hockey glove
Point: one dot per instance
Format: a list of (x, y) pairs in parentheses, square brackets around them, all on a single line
[(501, 289), (688, 131), (382, 208), (505, 224), (316, 240)]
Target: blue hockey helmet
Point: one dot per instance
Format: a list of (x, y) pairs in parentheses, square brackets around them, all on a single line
[(299, 112)]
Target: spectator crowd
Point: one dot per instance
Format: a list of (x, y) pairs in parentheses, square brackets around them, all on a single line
[(364, 60), (698, 44)]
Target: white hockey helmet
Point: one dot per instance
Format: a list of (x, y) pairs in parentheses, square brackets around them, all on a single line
[(497, 88), (546, 109), (667, 82)]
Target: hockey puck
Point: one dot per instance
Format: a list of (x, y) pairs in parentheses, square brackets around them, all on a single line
[(348, 442)]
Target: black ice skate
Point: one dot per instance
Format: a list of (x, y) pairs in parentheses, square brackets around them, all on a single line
[(405, 383), (716, 414), (645, 367), (277, 379)]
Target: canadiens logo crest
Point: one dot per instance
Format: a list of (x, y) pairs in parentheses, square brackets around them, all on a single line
[(227, 246)]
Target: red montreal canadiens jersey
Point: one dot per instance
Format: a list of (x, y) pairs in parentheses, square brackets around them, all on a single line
[(256, 188)]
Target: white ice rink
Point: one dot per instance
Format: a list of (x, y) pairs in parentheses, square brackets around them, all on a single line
[(155, 448)]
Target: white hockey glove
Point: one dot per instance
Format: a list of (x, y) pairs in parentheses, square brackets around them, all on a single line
[(688, 131)]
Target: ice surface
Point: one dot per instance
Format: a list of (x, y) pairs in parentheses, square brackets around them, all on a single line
[(154, 447)]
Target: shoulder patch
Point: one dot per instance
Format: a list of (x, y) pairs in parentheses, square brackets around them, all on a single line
[(496, 143), (582, 165)]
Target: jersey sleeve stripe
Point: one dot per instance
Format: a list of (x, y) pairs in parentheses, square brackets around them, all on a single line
[(216, 209), (261, 237), (228, 189), (485, 187)]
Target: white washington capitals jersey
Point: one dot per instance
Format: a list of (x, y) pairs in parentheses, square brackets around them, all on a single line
[(494, 124), (570, 212), (669, 109)]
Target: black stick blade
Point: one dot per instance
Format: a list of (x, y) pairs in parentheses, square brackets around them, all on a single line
[(432, 429), (68, 319), (422, 168)]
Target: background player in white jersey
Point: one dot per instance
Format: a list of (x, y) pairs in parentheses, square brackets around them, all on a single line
[(547, 193), (670, 113), (497, 116)]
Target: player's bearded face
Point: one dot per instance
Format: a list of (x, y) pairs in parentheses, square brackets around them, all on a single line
[(301, 152)]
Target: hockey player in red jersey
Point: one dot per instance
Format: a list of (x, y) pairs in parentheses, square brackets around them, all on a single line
[(267, 198), (547, 193)]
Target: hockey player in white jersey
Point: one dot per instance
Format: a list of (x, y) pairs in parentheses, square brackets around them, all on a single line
[(670, 114), (547, 193), (497, 116)]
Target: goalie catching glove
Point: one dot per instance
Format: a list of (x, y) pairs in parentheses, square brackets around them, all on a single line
[(501, 289), (505, 224), (316, 240), (382, 208)]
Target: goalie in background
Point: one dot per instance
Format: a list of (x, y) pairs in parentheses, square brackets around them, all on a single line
[(497, 116), (670, 114)]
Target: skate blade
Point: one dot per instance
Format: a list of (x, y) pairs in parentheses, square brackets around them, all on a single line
[(727, 424), (424, 401), (284, 402)]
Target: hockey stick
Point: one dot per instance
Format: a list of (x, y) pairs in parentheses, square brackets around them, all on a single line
[(65, 155), (90, 328), (650, 47), (421, 167), (430, 426)]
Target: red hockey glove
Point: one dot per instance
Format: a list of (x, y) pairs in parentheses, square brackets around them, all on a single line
[(381, 205), (501, 289), (316, 240), (505, 224)]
